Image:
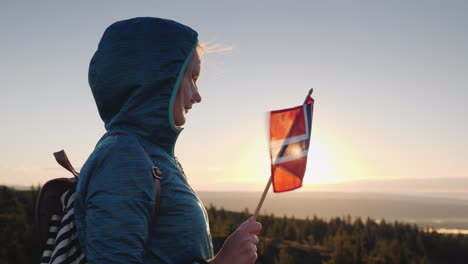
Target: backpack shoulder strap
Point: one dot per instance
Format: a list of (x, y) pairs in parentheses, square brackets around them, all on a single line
[(157, 176)]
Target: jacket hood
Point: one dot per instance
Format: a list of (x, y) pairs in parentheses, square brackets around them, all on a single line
[(135, 73)]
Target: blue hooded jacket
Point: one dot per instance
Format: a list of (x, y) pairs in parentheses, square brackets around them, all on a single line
[(134, 76)]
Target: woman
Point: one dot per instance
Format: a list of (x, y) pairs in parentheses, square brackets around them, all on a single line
[(143, 78)]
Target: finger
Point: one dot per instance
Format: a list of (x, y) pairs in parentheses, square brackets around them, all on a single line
[(252, 255), (253, 227), (254, 247), (254, 258), (254, 239)]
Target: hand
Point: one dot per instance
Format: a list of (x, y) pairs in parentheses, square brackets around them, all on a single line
[(240, 247)]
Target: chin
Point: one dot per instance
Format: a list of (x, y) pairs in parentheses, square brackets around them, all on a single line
[(180, 123)]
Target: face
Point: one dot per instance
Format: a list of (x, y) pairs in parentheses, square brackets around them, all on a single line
[(188, 94)]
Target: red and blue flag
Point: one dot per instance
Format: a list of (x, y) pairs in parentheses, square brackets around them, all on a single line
[(290, 131)]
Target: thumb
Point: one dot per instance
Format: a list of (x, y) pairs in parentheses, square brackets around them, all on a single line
[(249, 220), (253, 227)]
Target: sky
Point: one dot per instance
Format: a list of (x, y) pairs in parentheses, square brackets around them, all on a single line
[(390, 84)]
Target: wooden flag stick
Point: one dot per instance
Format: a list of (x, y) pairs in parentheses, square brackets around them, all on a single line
[(260, 203), (267, 187)]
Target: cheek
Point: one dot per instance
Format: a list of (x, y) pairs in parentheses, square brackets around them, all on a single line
[(181, 92), (187, 92), (179, 101), (178, 98)]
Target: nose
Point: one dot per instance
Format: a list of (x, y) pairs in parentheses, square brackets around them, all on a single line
[(196, 98)]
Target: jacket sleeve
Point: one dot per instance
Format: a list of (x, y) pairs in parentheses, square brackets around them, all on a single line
[(119, 206)]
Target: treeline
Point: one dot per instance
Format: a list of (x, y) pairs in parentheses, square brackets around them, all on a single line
[(18, 242), (343, 240), (283, 239)]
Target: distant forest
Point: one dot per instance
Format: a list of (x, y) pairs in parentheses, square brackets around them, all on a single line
[(282, 240)]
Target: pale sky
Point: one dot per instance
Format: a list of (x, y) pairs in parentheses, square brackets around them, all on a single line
[(390, 81)]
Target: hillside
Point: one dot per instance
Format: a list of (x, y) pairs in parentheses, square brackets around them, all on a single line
[(283, 239)]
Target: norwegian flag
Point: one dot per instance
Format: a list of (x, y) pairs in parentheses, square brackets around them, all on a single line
[(290, 131)]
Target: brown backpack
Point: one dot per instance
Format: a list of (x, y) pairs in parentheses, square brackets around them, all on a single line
[(50, 204)]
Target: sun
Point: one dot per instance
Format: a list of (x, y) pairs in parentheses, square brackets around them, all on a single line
[(319, 165)]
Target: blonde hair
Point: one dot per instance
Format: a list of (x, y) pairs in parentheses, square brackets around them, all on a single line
[(202, 49), (205, 48)]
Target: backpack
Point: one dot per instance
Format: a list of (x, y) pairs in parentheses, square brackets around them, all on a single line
[(55, 222)]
